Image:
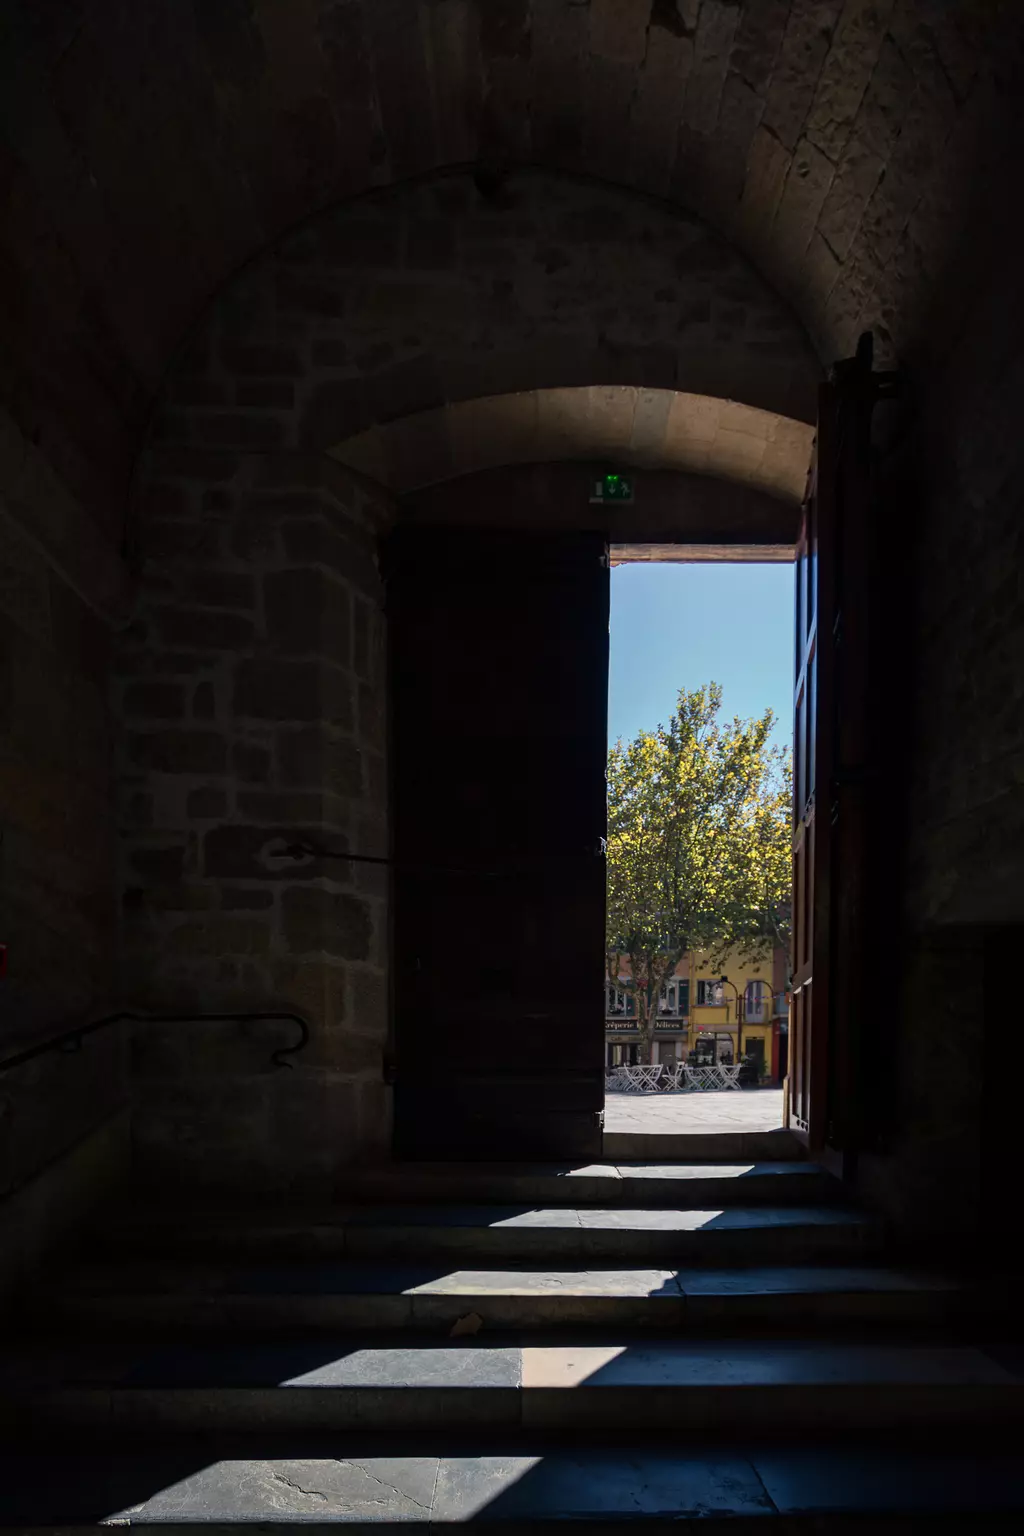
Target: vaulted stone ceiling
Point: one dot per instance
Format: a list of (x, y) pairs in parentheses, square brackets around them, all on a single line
[(148, 150), (654, 428)]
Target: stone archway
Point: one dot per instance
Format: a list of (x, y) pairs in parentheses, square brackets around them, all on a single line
[(652, 428), (253, 697), (429, 293)]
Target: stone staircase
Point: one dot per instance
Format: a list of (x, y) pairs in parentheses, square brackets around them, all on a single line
[(680, 1340)]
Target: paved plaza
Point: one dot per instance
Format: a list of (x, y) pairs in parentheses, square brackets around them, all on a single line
[(750, 1109)]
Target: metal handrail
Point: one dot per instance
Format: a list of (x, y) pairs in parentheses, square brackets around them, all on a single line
[(71, 1039)]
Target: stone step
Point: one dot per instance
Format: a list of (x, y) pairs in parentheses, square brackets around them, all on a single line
[(702, 1146), (491, 1234), (352, 1295), (650, 1185), (669, 1387), (370, 1483)]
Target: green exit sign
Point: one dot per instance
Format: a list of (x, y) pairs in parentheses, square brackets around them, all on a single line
[(612, 487)]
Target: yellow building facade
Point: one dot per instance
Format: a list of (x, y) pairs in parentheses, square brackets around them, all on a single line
[(736, 1006), (720, 1010)]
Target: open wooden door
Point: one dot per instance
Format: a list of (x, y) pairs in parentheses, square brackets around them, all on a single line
[(831, 762), (499, 666)]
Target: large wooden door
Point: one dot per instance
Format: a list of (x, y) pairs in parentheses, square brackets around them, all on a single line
[(808, 1018), (831, 762), (499, 662)]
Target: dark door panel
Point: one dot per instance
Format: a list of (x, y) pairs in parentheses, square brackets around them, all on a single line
[(499, 657)]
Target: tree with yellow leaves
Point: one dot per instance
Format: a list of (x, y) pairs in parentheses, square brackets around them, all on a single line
[(698, 845)]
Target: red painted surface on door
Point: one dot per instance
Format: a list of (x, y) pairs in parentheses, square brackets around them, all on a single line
[(831, 762)]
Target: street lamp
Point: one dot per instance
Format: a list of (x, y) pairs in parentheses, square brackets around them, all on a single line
[(739, 1016)]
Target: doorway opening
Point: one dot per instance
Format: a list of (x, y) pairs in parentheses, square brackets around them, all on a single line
[(498, 594), (699, 845)]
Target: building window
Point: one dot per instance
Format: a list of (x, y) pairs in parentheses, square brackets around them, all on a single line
[(710, 994), (710, 1049), (674, 999), (757, 1002), (618, 1002)]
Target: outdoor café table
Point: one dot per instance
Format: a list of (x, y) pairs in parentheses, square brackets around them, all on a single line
[(702, 1078), (622, 1080), (710, 1077), (644, 1079)]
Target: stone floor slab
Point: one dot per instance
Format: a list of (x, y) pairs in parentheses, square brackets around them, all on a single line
[(806, 1280), (355, 1481), (755, 1109), (728, 1219), (597, 1184), (376, 1488), (659, 1236), (736, 1363), (844, 1481), (325, 1362), (524, 1282), (555, 1219), (683, 1173), (702, 1146), (596, 1485)]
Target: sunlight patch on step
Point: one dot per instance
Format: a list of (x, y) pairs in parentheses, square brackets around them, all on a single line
[(679, 1221)]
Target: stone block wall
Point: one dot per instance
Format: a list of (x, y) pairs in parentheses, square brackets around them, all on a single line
[(948, 718), (832, 139), (58, 596), (251, 696), (56, 856), (968, 647), (428, 293)]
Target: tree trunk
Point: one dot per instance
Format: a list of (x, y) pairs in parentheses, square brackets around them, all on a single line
[(644, 1023)]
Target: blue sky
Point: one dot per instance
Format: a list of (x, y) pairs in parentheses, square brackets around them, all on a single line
[(676, 625)]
